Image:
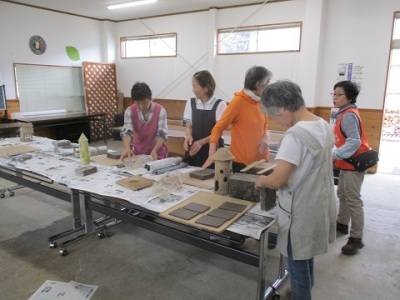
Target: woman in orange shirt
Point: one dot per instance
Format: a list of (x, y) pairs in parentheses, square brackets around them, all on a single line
[(249, 135)]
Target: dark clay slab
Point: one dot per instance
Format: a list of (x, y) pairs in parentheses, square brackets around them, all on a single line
[(210, 221), (202, 174), (200, 208), (222, 213), (233, 206), (183, 213)]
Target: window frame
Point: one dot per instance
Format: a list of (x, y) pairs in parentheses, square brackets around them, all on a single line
[(258, 28), (151, 37)]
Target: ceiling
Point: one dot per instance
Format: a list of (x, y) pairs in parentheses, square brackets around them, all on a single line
[(97, 9)]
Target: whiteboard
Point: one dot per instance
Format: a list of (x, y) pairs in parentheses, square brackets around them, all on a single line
[(46, 87)]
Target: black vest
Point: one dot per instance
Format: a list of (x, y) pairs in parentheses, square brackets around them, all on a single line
[(203, 122)]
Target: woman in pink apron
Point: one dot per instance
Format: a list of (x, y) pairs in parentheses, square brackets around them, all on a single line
[(145, 125)]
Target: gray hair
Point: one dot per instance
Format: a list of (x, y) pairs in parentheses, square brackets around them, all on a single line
[(256, 74), (281, 94)]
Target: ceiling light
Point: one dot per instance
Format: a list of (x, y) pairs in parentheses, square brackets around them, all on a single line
[(129, 4)]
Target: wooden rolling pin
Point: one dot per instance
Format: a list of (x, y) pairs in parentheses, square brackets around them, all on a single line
[(266, 169), (252, 165)]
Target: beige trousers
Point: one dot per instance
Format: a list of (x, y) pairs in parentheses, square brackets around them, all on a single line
[(350, 203)]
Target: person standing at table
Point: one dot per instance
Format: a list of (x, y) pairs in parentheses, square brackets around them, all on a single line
[(145, 125), (350, 140), (249, 135), (200, 115), (303, 176)]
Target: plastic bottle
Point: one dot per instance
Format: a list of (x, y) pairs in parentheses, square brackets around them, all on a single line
[(84, 149)]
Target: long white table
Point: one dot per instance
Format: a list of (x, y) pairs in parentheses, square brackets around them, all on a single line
[(53, 174)]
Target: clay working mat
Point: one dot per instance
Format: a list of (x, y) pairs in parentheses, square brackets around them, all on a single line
[(15, 150), (203, 211), (104, 160), (136, 182)]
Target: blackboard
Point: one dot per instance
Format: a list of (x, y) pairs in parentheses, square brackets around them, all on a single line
[(48, 87)]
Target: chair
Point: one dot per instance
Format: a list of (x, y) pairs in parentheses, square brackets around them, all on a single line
[(118, 124)]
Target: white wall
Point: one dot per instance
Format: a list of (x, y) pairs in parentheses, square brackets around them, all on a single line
[(334, 31), (359, 32), (171, 77), (168, 77), (18, 23)]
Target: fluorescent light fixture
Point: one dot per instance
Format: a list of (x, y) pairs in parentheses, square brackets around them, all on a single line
[(129, 4)]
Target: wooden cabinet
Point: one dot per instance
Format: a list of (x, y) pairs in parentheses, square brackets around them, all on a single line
[(12, 106)]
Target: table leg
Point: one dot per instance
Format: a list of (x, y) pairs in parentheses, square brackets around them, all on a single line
[(76, 220), (271, 291), (88, 216)]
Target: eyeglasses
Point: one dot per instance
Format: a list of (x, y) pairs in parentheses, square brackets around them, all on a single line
[(336, 95)]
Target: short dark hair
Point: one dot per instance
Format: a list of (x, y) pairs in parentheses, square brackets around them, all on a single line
[(281, 94), (140, 91), (254, 75), (350, 88), (206, 80)]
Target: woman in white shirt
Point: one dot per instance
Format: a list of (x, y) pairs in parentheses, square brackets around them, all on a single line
[(200, 115), (304, 179)]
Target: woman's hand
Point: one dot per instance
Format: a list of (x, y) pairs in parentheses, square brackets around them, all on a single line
[(187, 143), (259, 182), (196, 146), (208, 162), (154, 154), (126, 154), (211, 152), (263, 145)]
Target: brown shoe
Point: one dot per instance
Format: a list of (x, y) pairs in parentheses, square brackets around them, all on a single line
[(352, 246), (342, 228)]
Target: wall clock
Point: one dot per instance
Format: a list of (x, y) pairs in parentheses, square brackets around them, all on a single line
[(37, 45)]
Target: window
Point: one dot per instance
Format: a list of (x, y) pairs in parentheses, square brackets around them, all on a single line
[(159, 45), (260, 39)]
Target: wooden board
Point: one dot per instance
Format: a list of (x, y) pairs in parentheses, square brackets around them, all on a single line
[(213, 201), (15, 150), (205, 184)]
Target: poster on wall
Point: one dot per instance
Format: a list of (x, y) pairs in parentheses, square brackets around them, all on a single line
[(350, 71)]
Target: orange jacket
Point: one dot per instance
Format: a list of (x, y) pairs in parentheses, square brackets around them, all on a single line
[(340, 139), (248, 127)]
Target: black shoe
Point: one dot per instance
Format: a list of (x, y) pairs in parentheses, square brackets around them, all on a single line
[(342, 228), (352, 246)]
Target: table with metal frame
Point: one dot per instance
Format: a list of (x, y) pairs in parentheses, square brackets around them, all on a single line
[(118, 210), (222, 244)]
